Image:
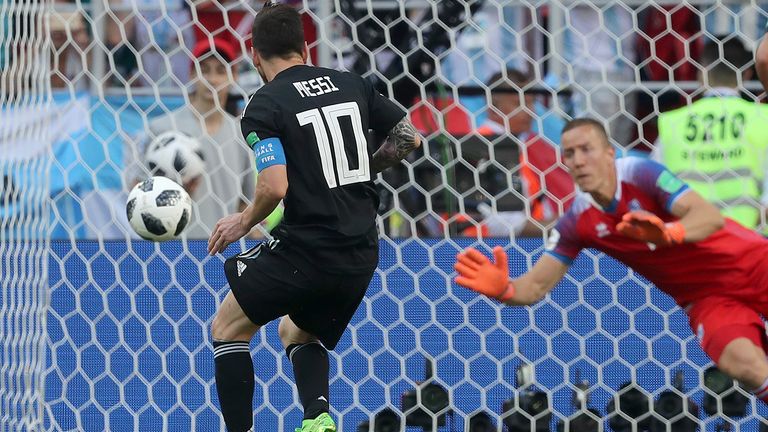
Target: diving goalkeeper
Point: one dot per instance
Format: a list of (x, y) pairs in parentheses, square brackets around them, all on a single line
[(638, 212)]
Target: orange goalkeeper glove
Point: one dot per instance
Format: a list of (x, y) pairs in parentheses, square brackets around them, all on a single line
[(645, 226), (479, 274)]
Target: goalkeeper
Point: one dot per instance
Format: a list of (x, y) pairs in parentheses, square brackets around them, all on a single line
[(636, 211)]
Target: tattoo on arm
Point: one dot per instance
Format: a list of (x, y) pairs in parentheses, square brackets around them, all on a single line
[(401, 140)]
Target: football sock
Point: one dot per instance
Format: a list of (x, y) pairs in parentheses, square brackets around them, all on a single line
[(762, 392), (234, 383), (310, 367)]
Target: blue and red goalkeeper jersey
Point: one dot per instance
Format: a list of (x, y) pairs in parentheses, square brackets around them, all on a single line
[(732, 261)]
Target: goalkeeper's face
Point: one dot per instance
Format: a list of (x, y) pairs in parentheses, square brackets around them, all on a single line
[(590, 159)]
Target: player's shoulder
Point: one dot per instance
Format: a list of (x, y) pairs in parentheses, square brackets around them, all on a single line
[(343, 74), (345, 79), (567, 226), (633, 167), (261, 101), (648, 175), (306, 72), (581, 203)]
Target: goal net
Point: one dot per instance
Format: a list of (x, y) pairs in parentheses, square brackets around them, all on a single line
[(24, 247), (100, 330)]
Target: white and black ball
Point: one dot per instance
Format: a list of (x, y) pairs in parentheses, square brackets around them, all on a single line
[(158, 209), (175, 155)]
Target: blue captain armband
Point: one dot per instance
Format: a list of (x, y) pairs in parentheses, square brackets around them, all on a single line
[(269, 152)]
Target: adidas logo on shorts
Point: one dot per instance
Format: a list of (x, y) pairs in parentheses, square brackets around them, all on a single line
[(241, 268)]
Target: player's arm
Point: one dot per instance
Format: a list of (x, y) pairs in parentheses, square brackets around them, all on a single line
[(491, 278), (696, 217), (699, 217), (698, 220), (401, 140), (271, 187), (538, 281), (761, 62), (272, 178)]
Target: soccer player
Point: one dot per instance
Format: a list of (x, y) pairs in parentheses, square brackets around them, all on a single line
[(638, 212), (308, 127)]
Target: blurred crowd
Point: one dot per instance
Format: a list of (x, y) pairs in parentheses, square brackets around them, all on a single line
[(488, 83)]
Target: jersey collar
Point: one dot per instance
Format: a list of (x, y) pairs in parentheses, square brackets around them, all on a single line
[(616, 197), (289, 70)]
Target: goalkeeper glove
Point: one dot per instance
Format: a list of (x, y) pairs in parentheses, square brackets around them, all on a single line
[(645, 226), (479, 274)]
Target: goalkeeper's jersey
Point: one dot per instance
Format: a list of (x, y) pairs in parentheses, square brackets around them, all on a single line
[(316, 122), (731, 261)]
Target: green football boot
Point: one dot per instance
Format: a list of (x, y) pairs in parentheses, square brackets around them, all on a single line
[(322, 423)]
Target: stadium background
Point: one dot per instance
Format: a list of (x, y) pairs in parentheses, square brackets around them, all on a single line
[(110, 334)]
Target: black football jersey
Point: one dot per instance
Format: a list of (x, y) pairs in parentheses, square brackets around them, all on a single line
[(317, 121)]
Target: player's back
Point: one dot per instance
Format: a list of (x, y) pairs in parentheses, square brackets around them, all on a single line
[(322, 118)]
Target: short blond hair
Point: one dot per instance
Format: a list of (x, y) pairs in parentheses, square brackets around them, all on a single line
[(587, 121)]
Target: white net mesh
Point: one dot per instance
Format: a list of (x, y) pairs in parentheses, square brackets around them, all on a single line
[(24, 138), (87, 85)]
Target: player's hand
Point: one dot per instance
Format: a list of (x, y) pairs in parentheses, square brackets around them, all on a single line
[(647, 227), (479, 274), (228, 229)]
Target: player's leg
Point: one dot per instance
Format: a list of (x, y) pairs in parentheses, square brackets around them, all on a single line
[(258, 294), (745, 362), (310, 367), (330, 303), (231, 332), (733, 336)]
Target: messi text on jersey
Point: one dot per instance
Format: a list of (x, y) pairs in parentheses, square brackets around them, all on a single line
[(315, 87)]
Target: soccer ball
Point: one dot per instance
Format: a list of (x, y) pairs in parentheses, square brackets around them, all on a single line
[(175, 155), (158, 209)]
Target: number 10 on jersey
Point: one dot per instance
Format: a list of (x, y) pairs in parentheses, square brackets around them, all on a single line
[(330, 116)]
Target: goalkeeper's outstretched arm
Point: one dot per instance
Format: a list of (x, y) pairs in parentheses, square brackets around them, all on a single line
[(401, 140), (538, 281), (491, 278)]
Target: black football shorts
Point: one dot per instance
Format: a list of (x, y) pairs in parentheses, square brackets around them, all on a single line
[(269, 282)]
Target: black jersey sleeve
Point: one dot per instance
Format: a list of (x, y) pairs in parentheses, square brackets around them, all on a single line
[(262, 132), (384, 114), (260, 120)]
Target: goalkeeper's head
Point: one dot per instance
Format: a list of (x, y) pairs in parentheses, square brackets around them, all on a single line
[(723, 61), (277, 34)]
